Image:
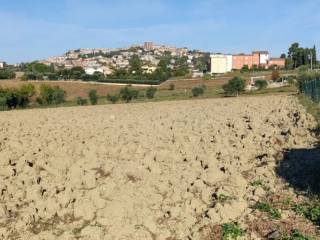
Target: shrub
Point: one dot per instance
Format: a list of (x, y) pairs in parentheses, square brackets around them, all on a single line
[(197, 91), (151, 91), (3, 104), (172, 87), (7, 74), (310, 211), (275, 75), (231, 231), (235, 86), (291, 80), (206, 76), (261, 84), (93, 97), (113, 98), (81, 101), (51, 95), (128, 94)]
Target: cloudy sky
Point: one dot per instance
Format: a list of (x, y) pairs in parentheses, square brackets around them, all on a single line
[(36, 29)]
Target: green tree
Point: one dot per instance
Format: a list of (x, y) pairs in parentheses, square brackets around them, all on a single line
[(128, 94), (93, 96), (135, 65), (51, 95), (81, 101), (235, 86), (7, 74), (151, 91)]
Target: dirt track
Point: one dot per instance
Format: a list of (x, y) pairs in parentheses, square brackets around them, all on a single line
[(145, 171)]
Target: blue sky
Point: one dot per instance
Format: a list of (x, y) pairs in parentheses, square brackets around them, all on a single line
[(36, 29)]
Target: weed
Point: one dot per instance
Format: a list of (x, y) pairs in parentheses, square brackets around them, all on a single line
[(224, 198), (267, 208), (310, 211), (231, 231), (260, 183), (296, 235)]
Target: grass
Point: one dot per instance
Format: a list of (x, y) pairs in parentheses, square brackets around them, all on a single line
[(310, 210), (296, 235), (312, 108), (269, 209), (231, 231)]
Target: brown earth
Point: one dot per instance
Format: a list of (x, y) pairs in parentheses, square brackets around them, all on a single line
[(158, 171)]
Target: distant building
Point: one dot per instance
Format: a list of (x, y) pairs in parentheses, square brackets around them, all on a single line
[(149, 46), (259, 59), (220, 63), (2, 64), (277, 62)]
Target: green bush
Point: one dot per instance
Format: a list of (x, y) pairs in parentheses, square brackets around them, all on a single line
[(310, 211), (113, 98), (128, 94), (261, 84), (81, 101), (151, 91), (3, 104), (235, 86), (51, 95), (93, 96), (7, 74), (231, 231), (197, 91)]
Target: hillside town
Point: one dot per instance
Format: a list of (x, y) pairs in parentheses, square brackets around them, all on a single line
[(106, 61)]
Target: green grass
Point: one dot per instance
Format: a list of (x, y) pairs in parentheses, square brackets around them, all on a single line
[(231, 231), (296, 235), (310, 210), (269, 209), (312, 108)]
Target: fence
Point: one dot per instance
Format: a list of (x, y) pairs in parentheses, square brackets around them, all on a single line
[(311, 89)]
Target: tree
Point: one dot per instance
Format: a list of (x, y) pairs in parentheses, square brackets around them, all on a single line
[(275, 75), (128, 94), (261, 84), (235, 86), (93, 97), (151, 91), (135, 65)]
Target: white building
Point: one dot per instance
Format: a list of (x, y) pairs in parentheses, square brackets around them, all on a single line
[(220, 63), (2, 64), (91, 71)]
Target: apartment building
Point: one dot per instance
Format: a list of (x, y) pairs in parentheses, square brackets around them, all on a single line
[(220, 63)]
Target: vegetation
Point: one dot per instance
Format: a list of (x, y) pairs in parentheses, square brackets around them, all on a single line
[(310, 210), (299, 56), (113, 98), (128, 94), (81, 101), (51, 95), (6, 73), (150, 93), (93, 97), (198, 91), (261, 84), (267, 208), (296, 235), (172, 87), (14, 98), (275, 76), (235, 86), (231, 231)]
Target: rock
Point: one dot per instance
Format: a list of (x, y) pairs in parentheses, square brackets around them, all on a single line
[(275, 234)]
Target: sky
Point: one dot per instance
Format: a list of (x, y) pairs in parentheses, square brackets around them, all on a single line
[(36, 29)]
